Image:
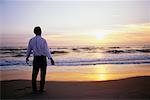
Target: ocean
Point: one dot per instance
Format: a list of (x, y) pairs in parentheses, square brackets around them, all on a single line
[(14, 57)]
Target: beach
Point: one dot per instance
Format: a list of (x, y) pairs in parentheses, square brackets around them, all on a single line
[(78, 83), (79, 73), (92, 49), (129, 88)]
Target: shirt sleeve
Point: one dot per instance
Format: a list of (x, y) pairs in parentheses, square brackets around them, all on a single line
[(29, 49), (48, 53)]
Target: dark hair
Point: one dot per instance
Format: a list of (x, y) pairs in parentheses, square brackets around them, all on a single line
[(37, 30)]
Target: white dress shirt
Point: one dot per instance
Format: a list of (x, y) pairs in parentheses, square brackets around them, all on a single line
[(39, 47)]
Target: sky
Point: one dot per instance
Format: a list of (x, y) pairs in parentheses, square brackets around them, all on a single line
[(76, 22)]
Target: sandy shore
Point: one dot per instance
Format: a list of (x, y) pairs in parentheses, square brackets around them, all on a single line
[(133, 88), (80, 73)]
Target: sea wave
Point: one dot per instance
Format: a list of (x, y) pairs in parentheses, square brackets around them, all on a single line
[(68, 62), (112, 50), (129, 51), (75, 56)]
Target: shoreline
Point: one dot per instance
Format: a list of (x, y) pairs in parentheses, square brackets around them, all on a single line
[(80, 83), (129, 88), (80, 73)]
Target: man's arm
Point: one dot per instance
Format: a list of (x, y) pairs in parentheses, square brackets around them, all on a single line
[(48, 53), (52, 61), (28, 52)]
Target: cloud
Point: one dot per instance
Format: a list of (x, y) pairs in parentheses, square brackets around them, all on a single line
[(135, 29)]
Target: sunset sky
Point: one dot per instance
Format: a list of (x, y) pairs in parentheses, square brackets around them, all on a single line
[(76, 22)]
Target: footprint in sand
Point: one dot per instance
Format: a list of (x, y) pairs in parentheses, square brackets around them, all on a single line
[(23, 88)]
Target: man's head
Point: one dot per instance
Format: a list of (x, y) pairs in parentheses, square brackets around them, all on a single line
[(37, 30)]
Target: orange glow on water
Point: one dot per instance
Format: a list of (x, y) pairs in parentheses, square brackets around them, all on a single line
[(78, 73)]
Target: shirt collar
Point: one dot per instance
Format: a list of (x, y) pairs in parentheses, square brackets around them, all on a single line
[(38, 35)]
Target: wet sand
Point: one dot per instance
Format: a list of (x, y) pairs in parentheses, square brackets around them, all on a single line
[(80, 73), (129, 88), (80, 83)]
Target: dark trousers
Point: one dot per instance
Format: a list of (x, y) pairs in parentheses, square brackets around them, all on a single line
[(39, 63)]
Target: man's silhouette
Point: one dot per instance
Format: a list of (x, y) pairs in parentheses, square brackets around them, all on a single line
[(40, 51)]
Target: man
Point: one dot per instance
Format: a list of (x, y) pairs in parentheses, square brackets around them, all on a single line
[(40, 51)]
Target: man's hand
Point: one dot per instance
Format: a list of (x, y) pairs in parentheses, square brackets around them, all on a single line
[(52, 61), (27, 59)]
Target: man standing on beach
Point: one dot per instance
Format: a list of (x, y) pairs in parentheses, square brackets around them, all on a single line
[(40, 51)]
